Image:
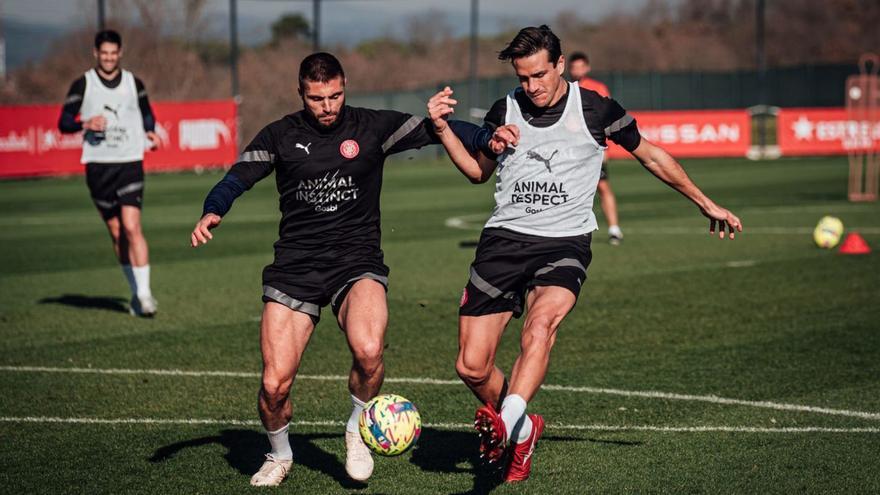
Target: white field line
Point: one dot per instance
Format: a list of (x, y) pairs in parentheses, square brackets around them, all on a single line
[(472, 222), (443, 426), (649, 394), (88, 220)]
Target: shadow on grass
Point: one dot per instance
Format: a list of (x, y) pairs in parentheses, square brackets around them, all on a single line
[(246, 451), (457, 452), (107, 303), (449, 451)]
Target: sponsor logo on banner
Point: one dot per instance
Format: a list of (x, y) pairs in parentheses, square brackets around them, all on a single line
[(13, 141), (810, 131), (53, 139), (203, 134), (693, 133), (192, 134)]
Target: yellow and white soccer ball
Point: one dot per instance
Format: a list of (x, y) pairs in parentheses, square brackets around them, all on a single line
[(390, 425), (828, 232)]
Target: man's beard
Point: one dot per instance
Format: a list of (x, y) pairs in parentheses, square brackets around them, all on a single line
[(113, 69)]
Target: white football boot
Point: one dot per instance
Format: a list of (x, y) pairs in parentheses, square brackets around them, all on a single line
[(143, 306), (358, 459), (273, 471)]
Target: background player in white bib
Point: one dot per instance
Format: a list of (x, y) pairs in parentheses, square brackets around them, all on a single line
[(115, 114), (535, 249)]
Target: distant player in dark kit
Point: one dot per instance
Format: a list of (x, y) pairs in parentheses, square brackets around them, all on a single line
[(328, 161), (578, 69), (534, 251), (115, 114)]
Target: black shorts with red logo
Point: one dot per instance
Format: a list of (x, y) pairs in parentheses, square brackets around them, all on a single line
[(509, 264), (113, 185)]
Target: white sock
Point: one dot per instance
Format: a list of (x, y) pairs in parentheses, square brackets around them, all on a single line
[(513, 410), (280, 443), (142, 280), (129, 275), (354, 419), (523, 429), (614, 230)]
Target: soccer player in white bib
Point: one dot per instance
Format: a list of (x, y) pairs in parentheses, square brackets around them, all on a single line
[(115, 114), (534, 251)]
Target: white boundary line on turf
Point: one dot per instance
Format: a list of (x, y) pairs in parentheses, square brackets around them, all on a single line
[(649, 394), (442, 426), (475, 222)]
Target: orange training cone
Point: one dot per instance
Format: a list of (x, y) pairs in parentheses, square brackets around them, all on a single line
[(854, 244)]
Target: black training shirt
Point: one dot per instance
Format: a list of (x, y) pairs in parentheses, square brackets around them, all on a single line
[(329, 179)]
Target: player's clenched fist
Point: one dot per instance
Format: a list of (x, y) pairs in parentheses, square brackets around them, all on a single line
[(201, 234), (439, 107)]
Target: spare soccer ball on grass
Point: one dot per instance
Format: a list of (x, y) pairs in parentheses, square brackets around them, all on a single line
[(390, 425), (828, 232)]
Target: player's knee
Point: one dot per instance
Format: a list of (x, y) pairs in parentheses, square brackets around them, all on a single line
[(275, 391), (473, 372), (368, 356), (132, 230)]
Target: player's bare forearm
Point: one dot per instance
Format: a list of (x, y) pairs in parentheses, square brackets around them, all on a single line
[(474, 168), (440, 107), (667, 169)]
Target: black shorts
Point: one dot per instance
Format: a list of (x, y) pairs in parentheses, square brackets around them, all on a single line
[(603, 174), (508, 264), (115, 184), (306, 285)]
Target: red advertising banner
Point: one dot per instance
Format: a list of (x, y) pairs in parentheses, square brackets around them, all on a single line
[(694, 133), (823, 131), (193, 134)]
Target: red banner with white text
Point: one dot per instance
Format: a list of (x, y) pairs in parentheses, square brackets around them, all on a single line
[(824, 131), (694, 133), (193, 134)]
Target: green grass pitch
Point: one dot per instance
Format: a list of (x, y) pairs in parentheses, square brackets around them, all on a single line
[(668, 324)]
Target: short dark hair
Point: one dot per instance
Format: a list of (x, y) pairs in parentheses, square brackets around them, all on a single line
[(575, 56), (107, 36), (320, 67), (530, 41)]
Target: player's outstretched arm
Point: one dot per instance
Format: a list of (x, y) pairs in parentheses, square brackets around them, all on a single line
[(217, 204), (665, 168), (476, 167)]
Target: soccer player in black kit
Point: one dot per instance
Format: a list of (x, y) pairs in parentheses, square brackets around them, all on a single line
[(328, 161)]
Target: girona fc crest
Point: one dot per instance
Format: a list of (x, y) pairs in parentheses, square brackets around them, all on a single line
[(349, 148), (464, 297)]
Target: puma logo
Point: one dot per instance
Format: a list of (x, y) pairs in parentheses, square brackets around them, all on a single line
[(546, 161), (304, 147), (112, 110)]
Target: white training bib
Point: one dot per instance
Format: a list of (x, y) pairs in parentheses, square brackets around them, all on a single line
[(123, 138), (546, 186)]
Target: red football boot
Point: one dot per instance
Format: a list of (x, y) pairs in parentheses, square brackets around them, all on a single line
[(519, 465), (493, 434)]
